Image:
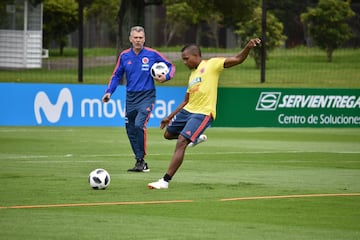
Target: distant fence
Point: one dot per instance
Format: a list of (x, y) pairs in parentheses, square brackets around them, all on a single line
[(80, 105), (303, 67)]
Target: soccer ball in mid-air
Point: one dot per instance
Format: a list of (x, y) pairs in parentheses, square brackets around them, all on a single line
[(159, 68), (99, 179)]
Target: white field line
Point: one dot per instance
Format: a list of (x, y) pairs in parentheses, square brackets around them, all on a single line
[(69, 155)]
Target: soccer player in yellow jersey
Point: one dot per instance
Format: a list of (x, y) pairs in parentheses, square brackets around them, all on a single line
[(190, 119)]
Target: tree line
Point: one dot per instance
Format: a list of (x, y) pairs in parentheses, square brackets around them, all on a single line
[(327, 24)]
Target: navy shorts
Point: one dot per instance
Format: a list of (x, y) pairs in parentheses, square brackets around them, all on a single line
[(189, 125)]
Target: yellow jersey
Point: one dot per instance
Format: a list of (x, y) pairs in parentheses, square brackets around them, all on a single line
[(202, 87)]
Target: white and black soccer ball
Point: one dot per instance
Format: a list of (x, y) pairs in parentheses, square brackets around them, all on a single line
[(159, 68), (99, 179)]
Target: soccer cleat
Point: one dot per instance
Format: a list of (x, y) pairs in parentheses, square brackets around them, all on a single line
[(140, 166), (160, 184), (201, 138), (145, 168)]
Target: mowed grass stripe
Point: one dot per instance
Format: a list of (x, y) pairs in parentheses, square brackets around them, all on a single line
[(274, 170), (181, 201), (69, 156), (94, 204)]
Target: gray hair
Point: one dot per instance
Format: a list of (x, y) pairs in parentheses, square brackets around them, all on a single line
[(137, 29)]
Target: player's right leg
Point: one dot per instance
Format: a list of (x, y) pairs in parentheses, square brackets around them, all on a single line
[(176, 125), (200, 139), (174, 165), (195, 128)]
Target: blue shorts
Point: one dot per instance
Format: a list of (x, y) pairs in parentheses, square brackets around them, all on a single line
[(189, 125)]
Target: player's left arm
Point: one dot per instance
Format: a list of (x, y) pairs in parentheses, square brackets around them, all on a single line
[(242, 55)]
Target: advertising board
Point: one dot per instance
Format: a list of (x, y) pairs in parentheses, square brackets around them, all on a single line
[(254, 107), (74, 105), (80, 105)]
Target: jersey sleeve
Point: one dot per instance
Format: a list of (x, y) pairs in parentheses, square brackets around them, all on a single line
[(217, 63), (169, 64), (116, 76)]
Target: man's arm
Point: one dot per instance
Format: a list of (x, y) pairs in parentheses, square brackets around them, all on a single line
[(169, 75), (114, 81), (167, 119), (160, 78), (241, 56)]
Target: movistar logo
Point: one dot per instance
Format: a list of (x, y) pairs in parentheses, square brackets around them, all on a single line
[(51, 111), (268, 101)]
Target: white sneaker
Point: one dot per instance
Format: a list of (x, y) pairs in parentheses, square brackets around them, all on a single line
[(160, 184), (201, 138)]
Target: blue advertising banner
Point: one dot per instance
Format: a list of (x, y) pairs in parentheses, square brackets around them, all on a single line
[(75, 105), (80, 105)]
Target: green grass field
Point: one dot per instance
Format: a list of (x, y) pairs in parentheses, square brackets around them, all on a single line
[(300, 67), (44, 173)]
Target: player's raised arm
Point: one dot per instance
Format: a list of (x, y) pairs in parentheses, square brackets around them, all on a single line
[(242, 55)]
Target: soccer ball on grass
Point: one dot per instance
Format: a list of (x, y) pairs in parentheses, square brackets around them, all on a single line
[(99, 179)]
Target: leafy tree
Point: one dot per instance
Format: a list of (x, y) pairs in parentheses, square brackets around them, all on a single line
[(9, 23), (35, 2), (60, 19), (179, 15), (183, 13), (288, 12), (103, 11), (252, 29), (131, 13), (328, 24), (4, 21), (234, 11)]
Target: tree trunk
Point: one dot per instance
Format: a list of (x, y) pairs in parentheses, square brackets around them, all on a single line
[(198, 34), (131, 13), (329, 54), (98, 36), (62, 45)]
